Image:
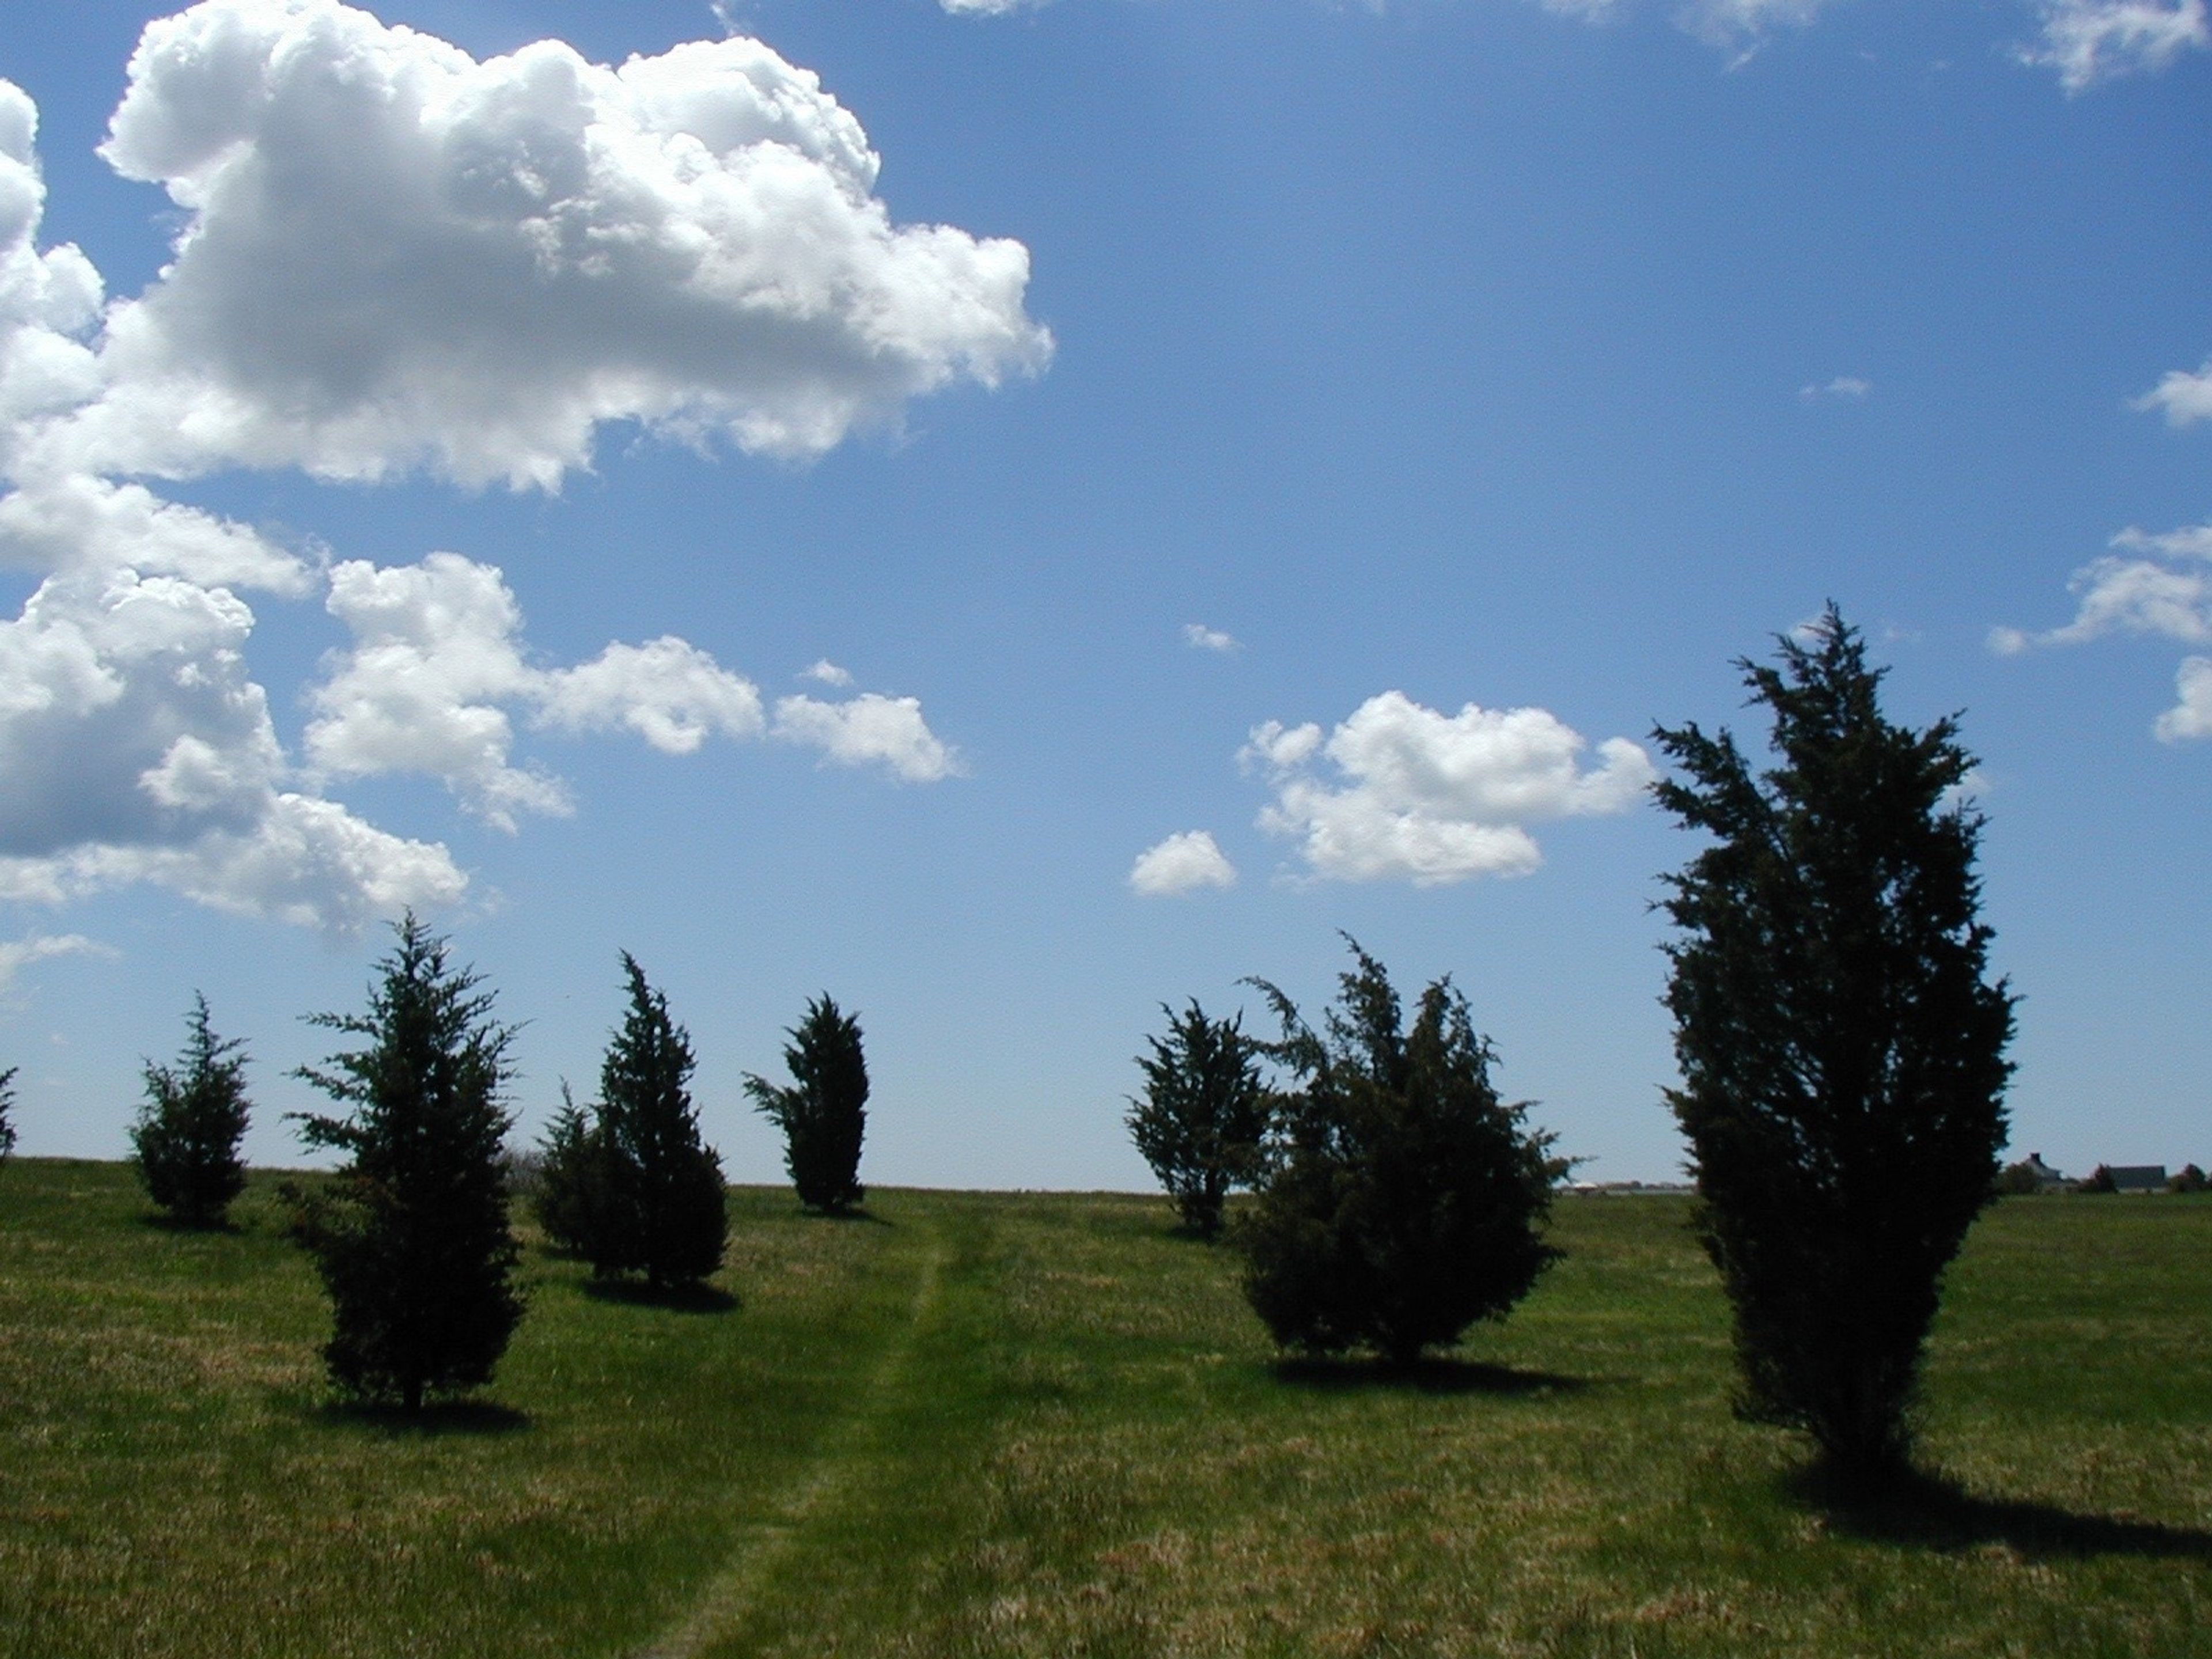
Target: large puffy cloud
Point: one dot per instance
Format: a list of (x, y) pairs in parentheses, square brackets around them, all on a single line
[(46, 298), (1430, 798), (2160, 585), (438, 663), (2088, 41), (137, 749), (394, 256)]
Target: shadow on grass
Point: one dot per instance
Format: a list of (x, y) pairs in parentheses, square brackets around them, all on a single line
[(1426, 1375), (675, 1298), (856, 1213), (437, 1419), (1934, 1512), (162, 1222)]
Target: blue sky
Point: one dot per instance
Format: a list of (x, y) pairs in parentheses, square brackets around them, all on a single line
[(1011, 514)]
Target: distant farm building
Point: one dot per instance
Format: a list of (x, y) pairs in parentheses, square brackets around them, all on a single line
[(2138, 1177)]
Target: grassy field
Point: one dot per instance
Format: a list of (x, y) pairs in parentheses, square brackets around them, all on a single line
[(1000, 1424)]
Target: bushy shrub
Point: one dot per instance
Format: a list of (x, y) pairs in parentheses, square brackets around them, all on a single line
[(2019, 1180), (634, 1187), (822, 1111), (2099, 1180), (411, 1235), (1400, 1199), (1204, 1110), (1842, 1053), (2188, 1179), (191, 1126)]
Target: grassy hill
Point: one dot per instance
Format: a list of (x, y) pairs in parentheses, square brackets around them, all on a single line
[(1042, 1425)]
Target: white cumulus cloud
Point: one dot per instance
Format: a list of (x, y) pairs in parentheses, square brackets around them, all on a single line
[(1198, 637), (438, 671), (1184, 863), (2185, 397), (2089, 41), (136, 747), (393, 256), (1415, 794)]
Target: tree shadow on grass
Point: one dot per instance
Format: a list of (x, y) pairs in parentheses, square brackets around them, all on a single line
[(855, 1213), (1933, 1511), (436, 1419), (674, 1299), (1425, 1376), (162, 1222)]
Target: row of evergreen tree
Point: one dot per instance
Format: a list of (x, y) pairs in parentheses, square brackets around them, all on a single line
[(1842, 1053), (412, 1233)]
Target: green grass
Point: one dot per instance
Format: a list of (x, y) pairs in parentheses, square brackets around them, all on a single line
[(999, 1425)]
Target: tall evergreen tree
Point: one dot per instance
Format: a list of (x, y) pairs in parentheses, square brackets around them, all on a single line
[(191, 1127), (823, 1112), (1403, 1200), (1202, 1115), (7, 1101), (1840, 1045), (651, 1197), (412, 1234)]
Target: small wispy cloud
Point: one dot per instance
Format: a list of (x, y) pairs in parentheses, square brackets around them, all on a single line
[(2091, 41), (15, 955), (1198, 637), (827, 673), (1850, 387)]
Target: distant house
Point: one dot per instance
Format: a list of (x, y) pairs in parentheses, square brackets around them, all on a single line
[(2138, 1177), (2047, 1179)]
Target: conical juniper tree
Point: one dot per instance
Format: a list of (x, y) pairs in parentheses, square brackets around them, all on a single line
[(654, 1200), (571, 1178), (412, 1234), (1840, 1044), (192, 1125), (823, 1112), (1401, 1200), (1203, 1112)]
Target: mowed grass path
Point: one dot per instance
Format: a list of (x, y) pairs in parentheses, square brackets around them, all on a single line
[(1031, 1425)]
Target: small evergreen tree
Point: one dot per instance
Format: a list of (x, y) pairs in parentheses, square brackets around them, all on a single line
[(823, 1112), (191, 1126), (7, 1100), (571, 1178), (1402, 1201), (2188, 1179), (2099, 1182), (648, 1191), (1203, 1112), (412, 1234), (1842, 1053)]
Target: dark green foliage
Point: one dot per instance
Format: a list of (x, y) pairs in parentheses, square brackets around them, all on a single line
[(411, 1235), (643, 1193), (1203, 1113), (823, 1112), (2100, 1182), (7, 1100), (570, 1178), (2019, 1180), (1842, 1053), (190, 1128), (1401, 1200), (2188, 1179)]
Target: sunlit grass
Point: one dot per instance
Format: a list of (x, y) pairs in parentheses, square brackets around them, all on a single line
[(1047, 1426)]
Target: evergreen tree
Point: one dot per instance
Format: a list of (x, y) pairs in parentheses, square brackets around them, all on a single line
[(1202, 1115), (191, 1126), (822, 1114), (411, 1235), (652, 1196), (7, 1100), (1403, 1200), (1841, 1050), (571, 1183)]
